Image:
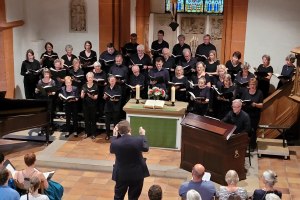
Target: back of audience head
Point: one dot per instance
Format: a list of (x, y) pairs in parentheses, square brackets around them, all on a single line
[(29, 159), (34, 184), (4, 175), (193, 195), (232, 177), (269, 178), (234, 197), (198, 172), (272, 196), (155, 192)]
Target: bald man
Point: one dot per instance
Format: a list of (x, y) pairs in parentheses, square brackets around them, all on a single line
[(205, 188)]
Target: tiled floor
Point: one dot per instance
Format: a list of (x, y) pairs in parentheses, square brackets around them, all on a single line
[(97, 185)]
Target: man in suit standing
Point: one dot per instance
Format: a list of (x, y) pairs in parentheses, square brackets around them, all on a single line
[(130, 167)]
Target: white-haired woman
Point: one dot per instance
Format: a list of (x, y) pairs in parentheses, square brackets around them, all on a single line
[(193, 195), (232, 178), (269, 179)]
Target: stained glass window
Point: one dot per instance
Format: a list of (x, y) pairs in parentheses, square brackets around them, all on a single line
[(198, 6), (180, 6)]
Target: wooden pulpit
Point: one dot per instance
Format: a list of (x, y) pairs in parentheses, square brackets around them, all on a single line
[(212, 143)]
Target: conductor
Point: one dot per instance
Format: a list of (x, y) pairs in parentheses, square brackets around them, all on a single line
[(130, 167)]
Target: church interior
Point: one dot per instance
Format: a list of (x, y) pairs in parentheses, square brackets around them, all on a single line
[(83, 166)]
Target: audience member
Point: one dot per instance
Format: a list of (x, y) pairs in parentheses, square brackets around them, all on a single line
[(130, 167), (272, 196), (269, 179), (155, 192), (238, 117), (6, 193), (33, 191), (205, 188), (193, 195), (30, 171), (11, 183), (232, 178)]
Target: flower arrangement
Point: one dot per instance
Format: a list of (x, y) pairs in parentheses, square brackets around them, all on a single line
[(156, 93)]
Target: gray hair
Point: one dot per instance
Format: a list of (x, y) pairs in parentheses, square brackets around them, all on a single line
[(68, 46), (245, 65), (89, 74), (231, 176), (140, 47), (193, 195), (186, 50), (237, 101), (96, 64), (270, 177), (272, 196)]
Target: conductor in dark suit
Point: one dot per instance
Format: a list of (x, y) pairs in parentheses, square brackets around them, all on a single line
[(130, 167)]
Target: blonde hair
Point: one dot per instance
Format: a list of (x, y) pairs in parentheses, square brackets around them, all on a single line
[(232, 177), (221, 67)]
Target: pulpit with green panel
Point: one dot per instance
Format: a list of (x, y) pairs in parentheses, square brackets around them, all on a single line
[(162, 126)]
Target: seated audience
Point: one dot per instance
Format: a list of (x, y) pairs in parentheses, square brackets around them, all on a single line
[(232, 178), (193, 195), (288, 70), (234, 65), (269, 179), (272, 196), (11, 183), (238, 117), (264, 79), (205, 188), (6, 193), (87, 57), (155, 192), (21, 177), (33, 193)]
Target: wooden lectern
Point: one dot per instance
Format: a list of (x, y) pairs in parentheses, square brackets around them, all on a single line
[(211, 143)]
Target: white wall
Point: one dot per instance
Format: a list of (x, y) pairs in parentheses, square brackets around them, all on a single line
[(272, 28), (48, 21)]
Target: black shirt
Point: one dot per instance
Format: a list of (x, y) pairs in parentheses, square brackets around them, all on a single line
[(48, 59), (260, 194), (137, 80), (177, 51), (68, 61), (30, 76), (164, 73), (129, 49), (195, 78), (156, 48), (119, 70), (241, 120), (145, 60), (87, 61), (112, 106), (188, 65), (107, 60), (211, 67), (233, 70), (204, 49), (257, 97), (77, 77), (87, 101)]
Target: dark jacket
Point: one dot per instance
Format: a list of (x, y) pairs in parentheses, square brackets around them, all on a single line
[(130, 165)]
